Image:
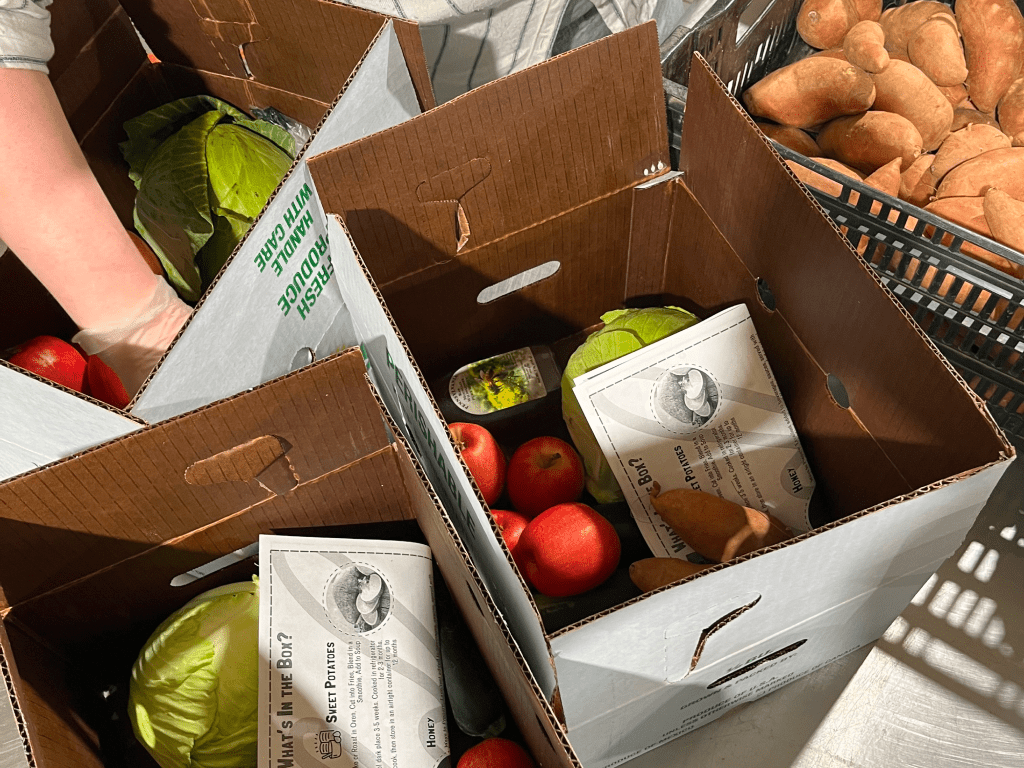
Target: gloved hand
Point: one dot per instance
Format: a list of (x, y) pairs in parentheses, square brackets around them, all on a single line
[(134, 345)]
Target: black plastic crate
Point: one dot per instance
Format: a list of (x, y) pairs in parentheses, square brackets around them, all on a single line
[(742, 40), (972, 311)]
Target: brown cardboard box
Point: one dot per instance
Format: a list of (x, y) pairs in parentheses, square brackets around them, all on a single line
[(562, 171), (303, 57), (93, 544)]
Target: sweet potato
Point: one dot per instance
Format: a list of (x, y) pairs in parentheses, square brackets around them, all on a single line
[(1000, 168), (652, 573), (830, 53), (935, 49), (993, 33), (870, 140), (963, 116), (969, 213), (1005, 217), (966, 143), (1011, 112), (954, 94), (900, 23), (715, 528), (868, 10), (864, 45), (810, 92), (817, 181), (906, 90), (794, 138), (824, 23), (887, 178), (917, 185)]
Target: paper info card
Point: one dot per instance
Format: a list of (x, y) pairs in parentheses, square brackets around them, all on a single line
[(351, 671), (699, 409)]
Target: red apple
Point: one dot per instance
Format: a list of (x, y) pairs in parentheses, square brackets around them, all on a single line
[(102, 383), (496, 753), (568, 549), (483, 456), (53, 359), (511, 524), (544, 472)]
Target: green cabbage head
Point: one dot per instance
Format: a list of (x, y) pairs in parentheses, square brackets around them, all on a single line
[(624, 331), (195, 686)]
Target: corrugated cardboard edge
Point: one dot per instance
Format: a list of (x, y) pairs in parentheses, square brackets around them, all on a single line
[(73, 393), (408, 33), (9, 671), (707, 70)]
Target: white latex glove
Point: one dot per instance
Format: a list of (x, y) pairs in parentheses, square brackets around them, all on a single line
[(134, 346)]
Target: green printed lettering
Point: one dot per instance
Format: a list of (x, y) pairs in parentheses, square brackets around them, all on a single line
[(284, 305), (303, 309), (311, 296), (306, 269), (277, 268), (263, 257), (305, 194), (324, 276)]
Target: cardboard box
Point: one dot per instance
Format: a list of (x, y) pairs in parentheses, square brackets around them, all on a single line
[(129, 530), (561, 173), (342, 71)]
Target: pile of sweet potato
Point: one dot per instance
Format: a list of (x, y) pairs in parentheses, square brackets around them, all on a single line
[(924, 102)]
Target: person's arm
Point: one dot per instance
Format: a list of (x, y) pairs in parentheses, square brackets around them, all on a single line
[(54, 215)]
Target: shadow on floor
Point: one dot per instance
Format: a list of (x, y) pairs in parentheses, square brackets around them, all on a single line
[(965, 628)]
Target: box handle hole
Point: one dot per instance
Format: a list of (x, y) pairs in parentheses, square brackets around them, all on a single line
[(706, 634), (219, 564), (838, 391), (764, 293), (753, 665), (245, 64), (518, 282), (302, 358)]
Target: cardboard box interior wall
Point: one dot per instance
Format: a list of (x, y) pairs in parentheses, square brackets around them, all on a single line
[(294, 55), (561, 171), (305, 451)]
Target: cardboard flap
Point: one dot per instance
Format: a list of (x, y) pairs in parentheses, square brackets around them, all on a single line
[(503, 157), (259, 39), (96, 55), (126, 497), (899, 386)]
